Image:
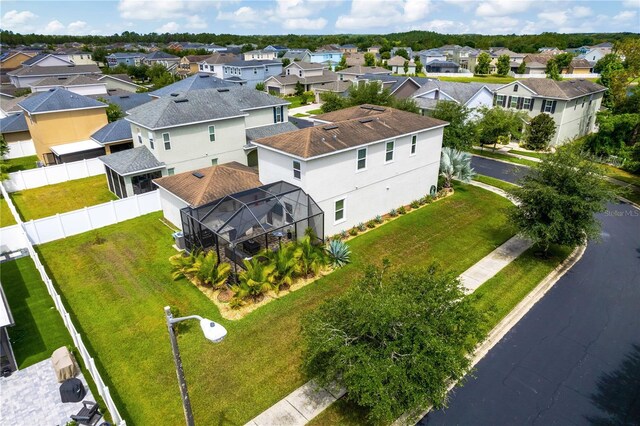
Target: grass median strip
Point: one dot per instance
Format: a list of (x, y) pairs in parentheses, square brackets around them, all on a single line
[(505, 186), (491, 154), (128, 276), (539, 155), (62, 197)]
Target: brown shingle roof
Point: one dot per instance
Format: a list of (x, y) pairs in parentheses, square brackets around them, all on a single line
[(361, 69), (361, 111), (220, 58), (216, 182), (338, 136), (579, 63)]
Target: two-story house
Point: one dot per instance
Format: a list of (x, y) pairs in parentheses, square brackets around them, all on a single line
[(349, 48), (397, 65), (260, 55), (13, 59), (431, 55), (572, 104), (170, 62), (360, 166), (48, 60), (471, 95), (191, 130), (61, 124), (214, 64), (189, 64), (295, 54), (352, 73), (250, 73), (310, 75), (124, 58), (328, 58)]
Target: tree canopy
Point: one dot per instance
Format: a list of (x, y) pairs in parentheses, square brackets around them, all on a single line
[(482, 67), (114, 112), (539, 132), (495, 123), (388, 337), (461, 131), (504, 65)]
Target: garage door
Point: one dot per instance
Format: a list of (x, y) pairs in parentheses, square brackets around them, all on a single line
[(272, 89)]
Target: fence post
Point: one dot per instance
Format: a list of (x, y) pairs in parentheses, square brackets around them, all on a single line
[(35, 229), (66, 171), (24, 183), (64, 235), (86, 212), (86, 166), (137, 197), (115, 212)]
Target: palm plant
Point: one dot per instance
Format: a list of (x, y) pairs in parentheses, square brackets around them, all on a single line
[(208, 271), (455, 164), (339, 253), (312, 257), (182, 265), (286, 261), (255, 281)]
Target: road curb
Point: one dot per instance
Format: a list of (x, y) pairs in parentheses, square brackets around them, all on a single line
[(501, 161)]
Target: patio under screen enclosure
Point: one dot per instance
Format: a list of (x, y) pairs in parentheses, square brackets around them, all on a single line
[(240, 225)]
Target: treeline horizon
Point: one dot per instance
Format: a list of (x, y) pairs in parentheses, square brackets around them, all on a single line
[(417, 40)]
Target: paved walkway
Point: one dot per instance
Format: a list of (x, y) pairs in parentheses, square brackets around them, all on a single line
[(304, 109), (31, 397), (308, 401)]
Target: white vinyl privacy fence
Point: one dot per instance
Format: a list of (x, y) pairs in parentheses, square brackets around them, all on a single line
[(87, 359), (42, 176), (21, 149)]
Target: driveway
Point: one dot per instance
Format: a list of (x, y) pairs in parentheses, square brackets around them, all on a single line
[(574, 359)]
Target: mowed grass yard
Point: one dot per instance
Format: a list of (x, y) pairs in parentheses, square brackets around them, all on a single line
[(62, 197), (38, 329), (116, 292), (6, 218), (21, 163)]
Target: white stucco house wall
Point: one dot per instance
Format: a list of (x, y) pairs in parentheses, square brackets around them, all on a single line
[(357, 168), (471, 95)]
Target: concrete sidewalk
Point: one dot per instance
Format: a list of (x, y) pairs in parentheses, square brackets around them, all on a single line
[(304, 108)]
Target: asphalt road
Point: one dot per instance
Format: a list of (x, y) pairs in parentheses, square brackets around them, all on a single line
[(499, 170), (574, 359)]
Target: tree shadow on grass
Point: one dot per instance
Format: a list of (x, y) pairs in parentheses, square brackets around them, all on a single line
[(618, 394)]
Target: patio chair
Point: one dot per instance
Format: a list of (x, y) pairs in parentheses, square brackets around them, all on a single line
[(88, 414)]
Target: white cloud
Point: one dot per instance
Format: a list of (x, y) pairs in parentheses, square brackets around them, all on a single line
[(502, 7), (382, 13), (14, 20), (556, 18), (78, 27), (54, 27), (159, 9), (466, 5), (581, 11), (195, 22), (626, 15), (496, 25), (169, 27), (444, 26), (304, 24), (631, 3), (244, 16)]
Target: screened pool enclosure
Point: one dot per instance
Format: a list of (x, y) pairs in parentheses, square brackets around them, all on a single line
[(239, 226)]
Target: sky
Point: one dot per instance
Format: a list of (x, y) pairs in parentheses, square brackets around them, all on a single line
[(319, 16)]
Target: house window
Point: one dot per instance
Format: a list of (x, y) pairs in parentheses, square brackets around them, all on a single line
[(500, 100), (362, 159), (214, 161), (167, 141), (212, 133), (414, 141), (296, 170), (514, 102), (547, 106), (171, 171), (388, 157), (255, 70), (339, 211), (300, 73), (139, 134), (515, 88), (150, 140), (277, 114)]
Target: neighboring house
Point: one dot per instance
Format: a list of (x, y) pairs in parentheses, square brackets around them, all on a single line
[(295, 55), (550, 50), (537, 64), (357, 168), (14, 59), (397, 65), (394, 51), (355, 59), (260, 55), (213, 48), (449, 50), (352, 73), (48, 60), (61, 124), (14, 128), (170, 62), (189, 64), (461, 56), (375, 49), (349, 48), (129, 100), (214, 64), (190, 131), (123, 58), (10, 106), (310, 75), (275, 48), (431, 55), (441, 67), (573, 104), (25, 76), (76, 56), (328, 58), (579, 66), (593, 55), (119, 82), (115, 136), (339, 87), (203, 186), (514, 57), (399, 86), (199, 81), (81, 84), (471, 95), (250, 73)]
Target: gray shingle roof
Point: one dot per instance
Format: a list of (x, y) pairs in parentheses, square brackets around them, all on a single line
[(566, 89), (195, 82), (14, 123), (461, 92), (393, 81), (306, 65), (200, 105), (127, 101), (56, 70), (131, 161), (119, 130), (273, 129), (159, 55), (38, 58), (71, 80), (56, 100), (252, 63)]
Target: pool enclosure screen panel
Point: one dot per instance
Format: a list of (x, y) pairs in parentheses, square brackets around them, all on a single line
[(249, 214)]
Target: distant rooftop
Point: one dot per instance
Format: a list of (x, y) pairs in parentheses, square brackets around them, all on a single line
[(58, 99)]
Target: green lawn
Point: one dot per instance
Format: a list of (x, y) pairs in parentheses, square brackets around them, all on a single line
[(6, 218), (488, 152), (622, 175), (492, 79), (315, 111), (296, 101), (539, 155), (505, 186), (300, 114), (128, 277), (495, 299), (62, 197), (22, 163), (39, 329)]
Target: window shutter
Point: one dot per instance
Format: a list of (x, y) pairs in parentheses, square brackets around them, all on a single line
[(544, 101), (531, 104), (520, 101), (508, 102), (553, 107), (282, 114), (274, 114), (495, 99)]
